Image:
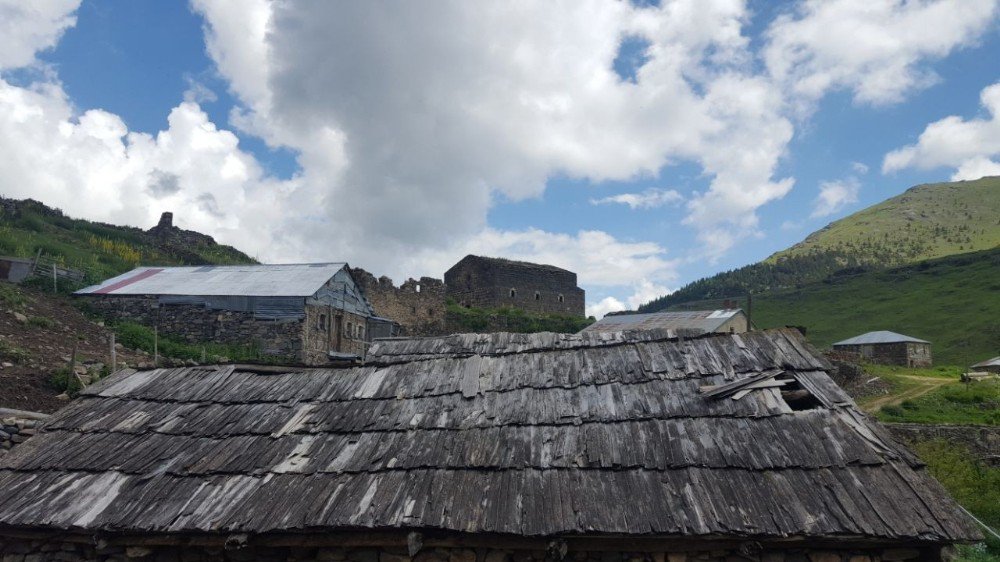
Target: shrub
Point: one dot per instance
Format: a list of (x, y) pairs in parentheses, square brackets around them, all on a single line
[(41, 322), (63, 380), (11, 296), (10, 352)]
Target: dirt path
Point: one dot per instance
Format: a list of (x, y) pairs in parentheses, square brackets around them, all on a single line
[(923, 386)]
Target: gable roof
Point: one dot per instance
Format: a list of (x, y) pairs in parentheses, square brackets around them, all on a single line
[(698, 320), (995, 362), (284, 280), (529, 435), (881, 336)]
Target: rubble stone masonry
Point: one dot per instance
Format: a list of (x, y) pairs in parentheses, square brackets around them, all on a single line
[(418, 306)]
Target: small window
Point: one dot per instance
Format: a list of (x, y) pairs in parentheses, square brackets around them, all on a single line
[(430, 312), (561, 299), (322, 322), (361, 332), (538, 296), (513, 293), (350, 330), (413, 310), (418, 287)]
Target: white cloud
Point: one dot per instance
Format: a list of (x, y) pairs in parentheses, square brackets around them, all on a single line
[(604, 306), (835, 195), (859, 168), (877, 49), (509, 97), (651, 198), (971, 146), (27, 27)]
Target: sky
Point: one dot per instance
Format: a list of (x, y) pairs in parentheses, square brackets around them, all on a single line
[(642, 145)]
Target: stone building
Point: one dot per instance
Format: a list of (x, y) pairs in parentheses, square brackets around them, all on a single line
[(417, 306), (481, 282), (988, 366), (301, 313), (888, 348), (480, 448), (727, 321)]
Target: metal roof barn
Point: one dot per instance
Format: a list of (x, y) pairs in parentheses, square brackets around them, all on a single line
[(882, 336), (288, 280)]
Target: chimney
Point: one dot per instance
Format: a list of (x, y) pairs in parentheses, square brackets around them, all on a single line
[(166, 221)]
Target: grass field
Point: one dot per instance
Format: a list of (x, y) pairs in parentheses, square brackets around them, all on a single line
[(934, 396), (952, 302)]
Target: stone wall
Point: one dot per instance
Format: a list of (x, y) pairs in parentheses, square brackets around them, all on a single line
[(495, 283), (197, 324), (326, 328), (906, 354), (982, 441), (16, 427), (417, 306), (236, 548)]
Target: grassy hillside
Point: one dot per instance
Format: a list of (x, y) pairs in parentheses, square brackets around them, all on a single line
[(102, 250), (953, 302), (926, 222)]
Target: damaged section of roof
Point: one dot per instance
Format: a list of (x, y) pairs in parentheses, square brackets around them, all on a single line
[(531, 435)]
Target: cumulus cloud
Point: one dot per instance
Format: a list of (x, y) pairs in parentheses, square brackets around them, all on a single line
[(30, 27), (649, 199), (970, 146), (399, 117), (876, 49), (835, 195)]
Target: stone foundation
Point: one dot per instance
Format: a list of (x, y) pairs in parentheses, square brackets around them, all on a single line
[(982, 441), (15, 430), (21, 550)]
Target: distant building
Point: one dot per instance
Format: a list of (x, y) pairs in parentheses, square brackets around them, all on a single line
[(481, 282), (15, 270), (888, 348), (727, 321), (988, 366), (303, 313)]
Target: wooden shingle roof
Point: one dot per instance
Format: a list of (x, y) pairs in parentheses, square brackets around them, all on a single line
[(531, 435)]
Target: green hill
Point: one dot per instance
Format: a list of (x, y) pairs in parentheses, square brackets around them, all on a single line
[(953, 302), (927, 221), (102, 250)]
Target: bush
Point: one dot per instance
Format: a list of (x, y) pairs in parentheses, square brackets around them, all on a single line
[(41, 322), (63, 380), (10, 352), (11, 296)]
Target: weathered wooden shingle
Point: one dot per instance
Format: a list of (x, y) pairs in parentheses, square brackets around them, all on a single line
[(532, 435)]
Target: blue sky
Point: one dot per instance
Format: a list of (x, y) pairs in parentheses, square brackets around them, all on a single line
[(400, 138)]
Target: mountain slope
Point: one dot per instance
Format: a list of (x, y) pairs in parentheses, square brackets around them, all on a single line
[(927, 221), (103, 250), (953, 302)]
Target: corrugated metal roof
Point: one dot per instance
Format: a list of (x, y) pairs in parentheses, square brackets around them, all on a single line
[(287, 280), (995, 362), (702, 320), (881, 336)]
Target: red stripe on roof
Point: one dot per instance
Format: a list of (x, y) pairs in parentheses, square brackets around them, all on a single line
[(126, 282)]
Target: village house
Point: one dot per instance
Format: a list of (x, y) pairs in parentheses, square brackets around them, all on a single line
[(988, 366), (481, 448), (301, 313), (727, 321), (482, 282), (888, 348)]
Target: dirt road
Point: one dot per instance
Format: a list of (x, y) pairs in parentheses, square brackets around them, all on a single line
[(923, 386)]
